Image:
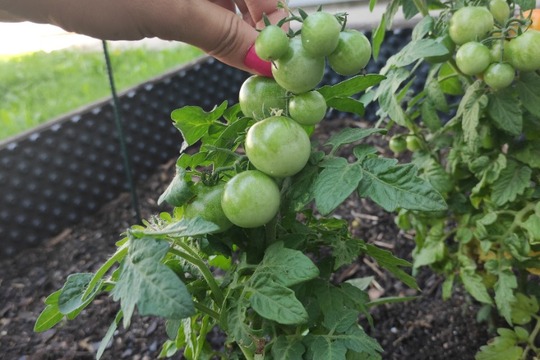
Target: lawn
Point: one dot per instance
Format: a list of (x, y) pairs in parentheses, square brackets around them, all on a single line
[(37, 87)]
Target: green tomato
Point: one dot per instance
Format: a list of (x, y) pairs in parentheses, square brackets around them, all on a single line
[(297, 71), (207, 205), (260, 95), (250, 199), (413, 143), (470, 23), (397, 144), (447, 42), (307, 108), (271, 43), (278, 146), (500, 10), (320, 33), (473, 58), (524, 51), (499, 75), (352, 53)]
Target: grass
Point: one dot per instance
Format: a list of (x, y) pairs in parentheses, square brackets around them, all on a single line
[(37, 87)]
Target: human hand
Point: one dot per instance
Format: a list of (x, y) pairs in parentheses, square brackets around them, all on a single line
[(212, 25)]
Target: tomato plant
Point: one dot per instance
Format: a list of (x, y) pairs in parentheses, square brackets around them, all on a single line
[(478, 115), (267, 279)]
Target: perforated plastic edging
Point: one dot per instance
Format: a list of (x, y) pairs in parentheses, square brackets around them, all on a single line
[(53, 177)]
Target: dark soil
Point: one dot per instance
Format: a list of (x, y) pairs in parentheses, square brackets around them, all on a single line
[(426, 328)]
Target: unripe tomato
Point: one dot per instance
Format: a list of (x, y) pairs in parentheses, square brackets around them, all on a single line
[(447, 42), (413, 143), (271, 43), (320, 33), (250, 199), (352, 53), (524, 51), (499, 75), (297, 71), (470, 23), (500, 10), (473, 58), (535, 18), (260, 95), (207, 205), (278, 146), (397, 144), (308, 108)]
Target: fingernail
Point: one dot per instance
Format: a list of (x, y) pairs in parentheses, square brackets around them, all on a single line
[(258, 65)]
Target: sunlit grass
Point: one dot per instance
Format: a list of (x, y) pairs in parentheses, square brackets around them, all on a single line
[(37, 87)]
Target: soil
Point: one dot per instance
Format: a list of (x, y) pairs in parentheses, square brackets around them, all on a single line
[(425, 328)]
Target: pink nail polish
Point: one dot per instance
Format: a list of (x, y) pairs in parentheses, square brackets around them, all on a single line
[(255, 63)]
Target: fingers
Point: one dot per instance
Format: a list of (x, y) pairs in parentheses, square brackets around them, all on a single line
[(258, 8)]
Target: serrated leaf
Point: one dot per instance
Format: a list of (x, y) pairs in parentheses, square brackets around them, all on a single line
[(288, 348), (357, 340), (70, 298), (532, 225), (416, 50), (430, 117), (286, 266), (345, 251), (351, 135), (236, 325), (182, 228), (504, 109), (276, 302), (529, 155), (504, 292), (528, 88), (423, 27), (523, 309), (512, 181), (335, 183), (193, 122), (500, 349), (386, 95), (300, 193), (395, 186), (475, 286), (150, 285), (350, 86), (324, 348), (469, 111), (391, 263), (338, 320)]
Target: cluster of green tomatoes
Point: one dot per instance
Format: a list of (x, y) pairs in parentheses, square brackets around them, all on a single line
[(284, 109), (493, 44)]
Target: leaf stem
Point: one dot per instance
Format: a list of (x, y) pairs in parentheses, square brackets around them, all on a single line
[(117, 257), (194, 259), (532, 338), (206, 310)]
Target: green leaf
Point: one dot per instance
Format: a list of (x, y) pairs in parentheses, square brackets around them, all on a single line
[(378, 34), (323, 348), (290, 348), (504, 109), (357, 340), (49, 317), (524, 308), (236, 325), (395, 186), (416, 50), (504, 287), (72, 292), (150, 285), (350, 135), (473, 283), (350, 87), (423, 27), (300, 192), (529, 155), (338, 320), (526, 4), (182, 228), (500, 348), (386, 94), (528, 88), (532, 225), (469, 112), (345, 250), (391, 263), (108, 335), (285, 266), (513, 181), (193, 122), (335, 183), (346, 104), (178, 192), (276, 302), (433, 248), (430, 117)]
